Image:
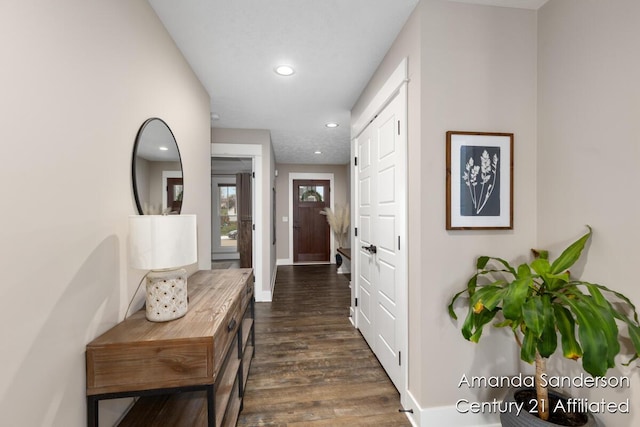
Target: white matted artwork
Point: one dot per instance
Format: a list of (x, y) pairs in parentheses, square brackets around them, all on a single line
[(479, 181)]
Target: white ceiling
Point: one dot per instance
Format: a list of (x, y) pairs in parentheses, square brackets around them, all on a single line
[(334, 45)]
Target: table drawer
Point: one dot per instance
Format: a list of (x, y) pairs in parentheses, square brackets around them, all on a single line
[(148, 366)]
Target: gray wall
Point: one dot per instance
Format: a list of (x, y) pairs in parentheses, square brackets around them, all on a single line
[(470, 68), (79, 79), (588, 151)]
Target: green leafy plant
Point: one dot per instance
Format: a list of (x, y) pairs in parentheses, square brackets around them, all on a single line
[(539, 301)]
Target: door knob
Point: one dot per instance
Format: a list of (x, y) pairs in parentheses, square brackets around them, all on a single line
[(372, 249)]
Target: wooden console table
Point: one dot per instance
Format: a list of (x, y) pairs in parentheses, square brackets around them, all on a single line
[(191, 371)]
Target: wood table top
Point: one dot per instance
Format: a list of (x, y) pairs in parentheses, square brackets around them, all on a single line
[(202, 319)]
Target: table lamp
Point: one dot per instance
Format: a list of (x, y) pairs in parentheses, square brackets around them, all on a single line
[(163, 244)]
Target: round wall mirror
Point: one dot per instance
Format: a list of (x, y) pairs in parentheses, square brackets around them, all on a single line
[(157, 170)]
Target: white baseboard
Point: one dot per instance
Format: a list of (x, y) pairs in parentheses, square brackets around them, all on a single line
[(446, 416), (283, 261), (263, 296), (410, 403), (267, 296)]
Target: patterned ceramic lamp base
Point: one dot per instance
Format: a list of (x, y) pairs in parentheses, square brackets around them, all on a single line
[(166, 295)]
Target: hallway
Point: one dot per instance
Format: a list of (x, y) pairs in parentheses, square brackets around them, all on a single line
[(311, 367)]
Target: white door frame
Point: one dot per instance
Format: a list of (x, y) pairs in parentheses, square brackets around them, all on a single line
[(310, 176), (396, 85), (254, 152)]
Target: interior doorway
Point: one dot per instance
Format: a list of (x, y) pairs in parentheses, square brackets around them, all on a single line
[(311, 233), (174, 194), (231, 198)]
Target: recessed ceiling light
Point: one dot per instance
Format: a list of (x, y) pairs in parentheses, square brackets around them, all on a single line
[(284, 70), (318, 152), (332, 125), (164, 149)]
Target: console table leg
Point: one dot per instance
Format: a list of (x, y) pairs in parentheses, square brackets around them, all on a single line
[(211, 410), (92, 411)]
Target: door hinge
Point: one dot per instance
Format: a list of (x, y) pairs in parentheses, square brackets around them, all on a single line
[(399, 358), (356, 302), (398, 127), (356, 230), (253, 174), (253, 227), (355, 161)]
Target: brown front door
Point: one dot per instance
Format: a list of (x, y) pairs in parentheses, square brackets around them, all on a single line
[(310, 229)]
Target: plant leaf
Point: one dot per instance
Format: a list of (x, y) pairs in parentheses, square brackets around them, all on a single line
[(515, 297), (570, 255), (503, 324), (592, 337), (489, 296), (633, 330), (566, 325), (475, 322), (603, 309), (634, 334), (467, 326), (528, 349), (555, 282), (540, 253), (483, 260), (524, 270), (472, 283), (548, 339), (533, 315), (481, 319), (452, 313), (541, 266), (617, 294)]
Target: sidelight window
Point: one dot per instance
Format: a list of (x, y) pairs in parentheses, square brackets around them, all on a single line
[(228, 214)]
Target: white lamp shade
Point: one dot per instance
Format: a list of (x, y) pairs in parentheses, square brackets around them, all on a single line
[(158, 242)]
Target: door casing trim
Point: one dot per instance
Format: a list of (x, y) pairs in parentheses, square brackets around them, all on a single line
[(395, 85), (253, 151)]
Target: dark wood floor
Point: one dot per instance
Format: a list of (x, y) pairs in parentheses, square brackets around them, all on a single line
[(311, 367)]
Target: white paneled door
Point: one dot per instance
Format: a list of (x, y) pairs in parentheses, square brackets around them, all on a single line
[(381, 287), (365, 263)]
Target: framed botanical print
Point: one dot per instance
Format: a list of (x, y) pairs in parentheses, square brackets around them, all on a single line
[(479, 181)]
